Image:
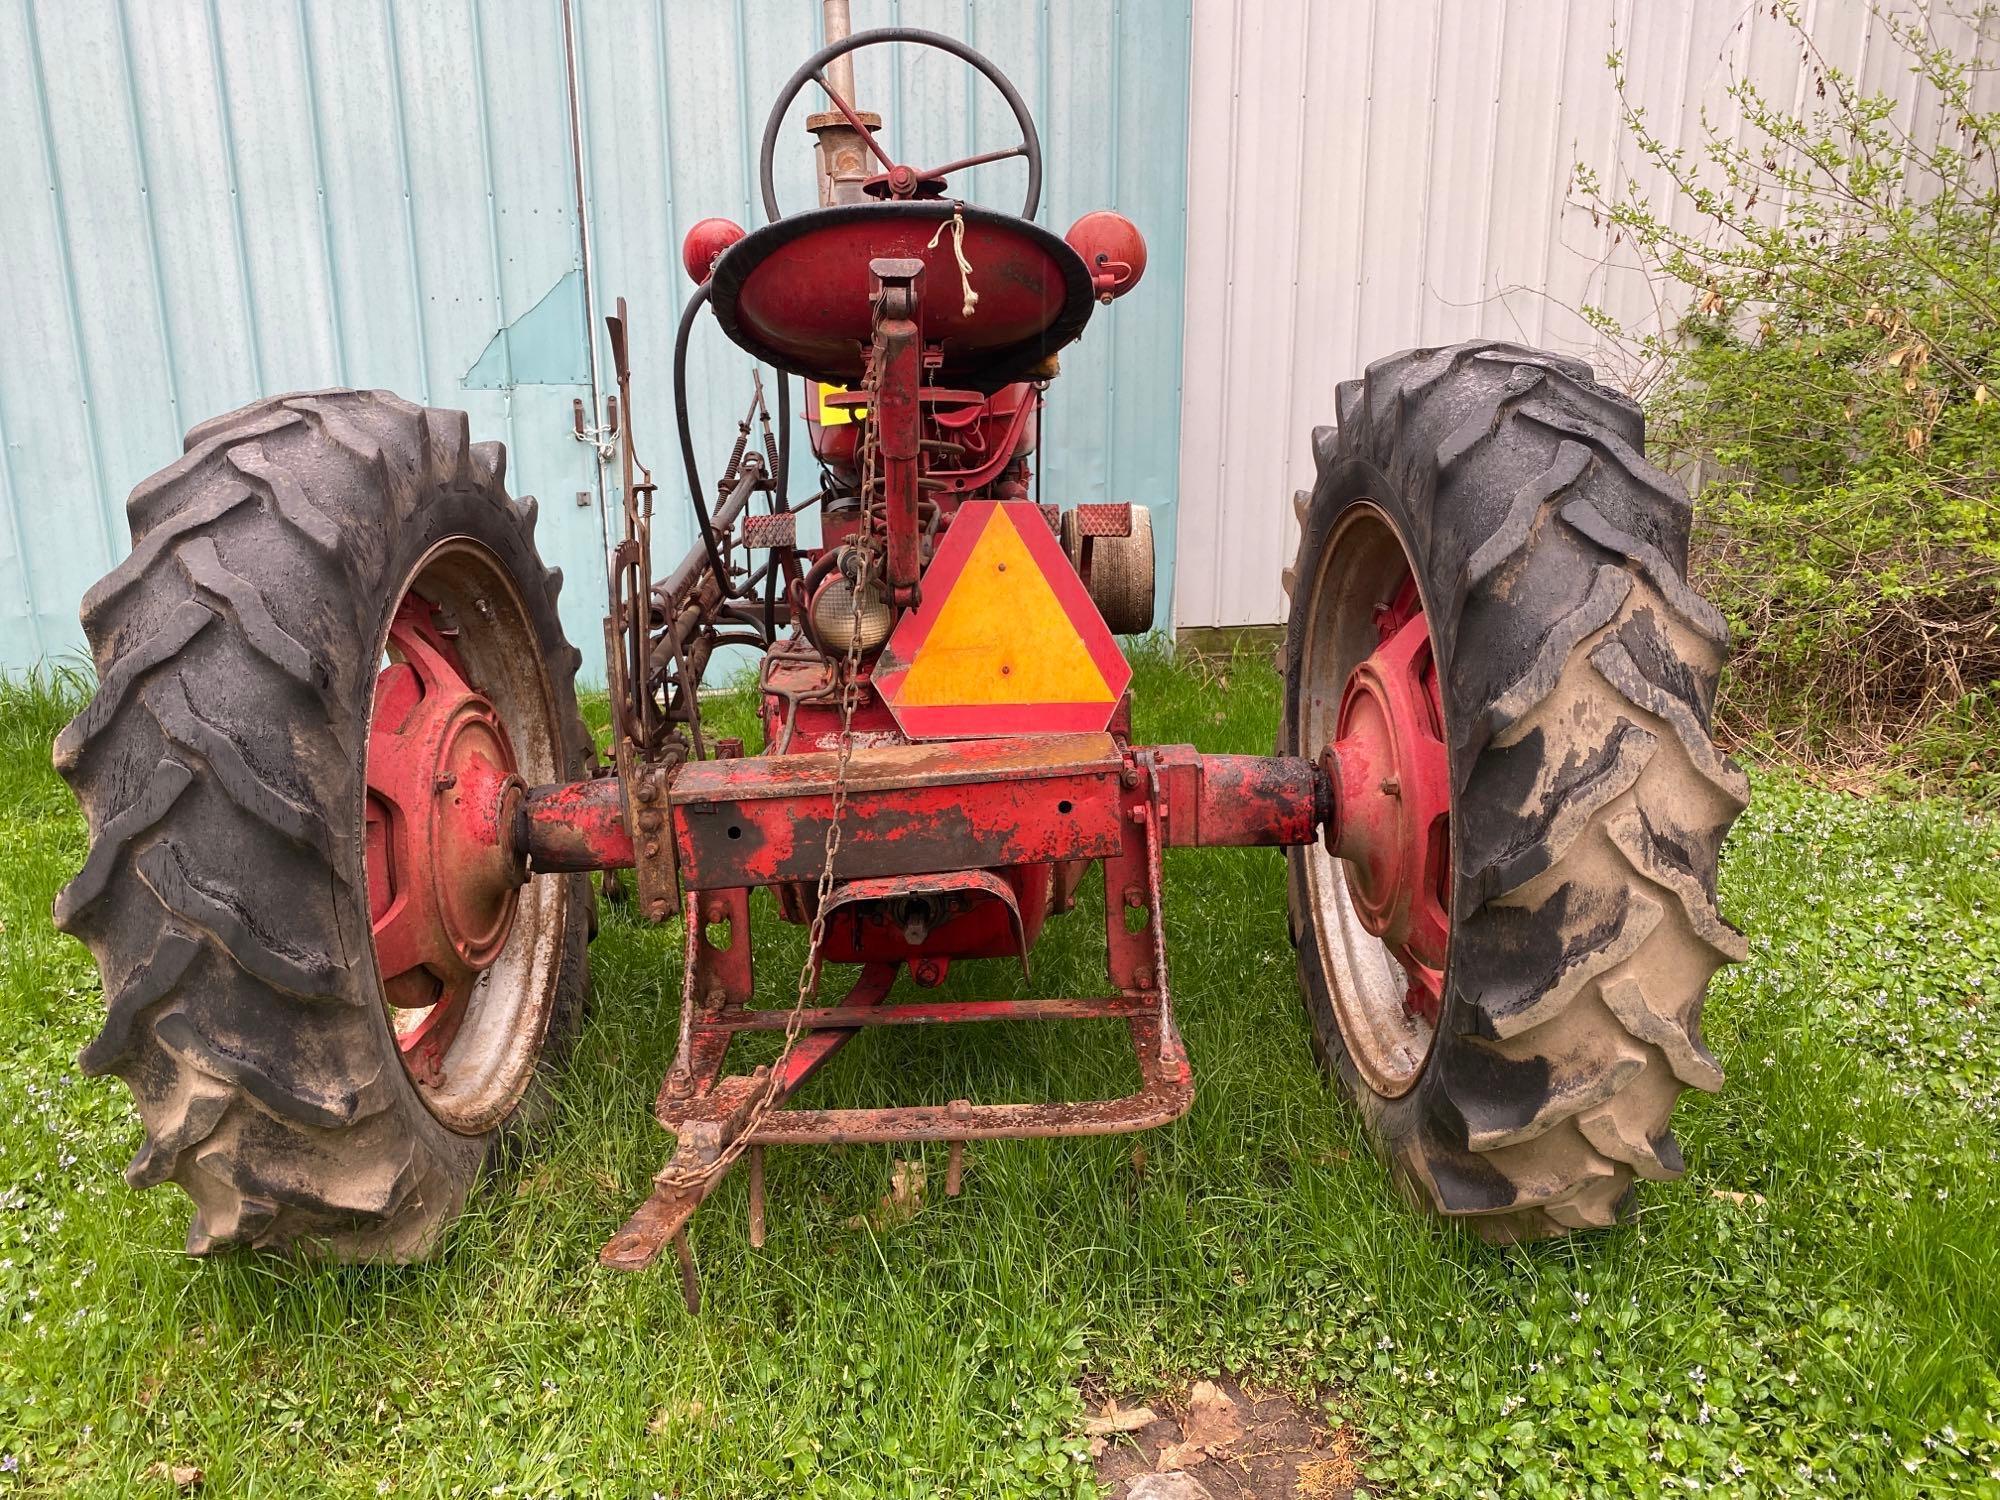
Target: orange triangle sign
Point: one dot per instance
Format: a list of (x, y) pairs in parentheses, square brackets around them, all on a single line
[(1006, 640)]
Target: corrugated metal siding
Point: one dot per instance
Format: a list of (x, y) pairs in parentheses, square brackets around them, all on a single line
[(209, 200), (1368, 176)]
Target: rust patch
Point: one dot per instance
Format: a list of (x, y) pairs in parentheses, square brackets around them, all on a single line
[(997, 821), (898, 767)]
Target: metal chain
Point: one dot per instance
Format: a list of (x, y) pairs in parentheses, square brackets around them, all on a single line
[(850, 670)]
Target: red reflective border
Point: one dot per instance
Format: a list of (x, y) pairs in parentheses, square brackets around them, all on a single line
[(971, 721)]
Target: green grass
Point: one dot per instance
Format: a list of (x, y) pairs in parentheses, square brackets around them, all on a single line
[(1840, 1337)]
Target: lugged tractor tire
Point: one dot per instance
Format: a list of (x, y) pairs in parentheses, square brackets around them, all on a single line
[(1588, 804), (220, 767)]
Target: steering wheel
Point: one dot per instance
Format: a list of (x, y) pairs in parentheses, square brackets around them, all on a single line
[(901, 181)]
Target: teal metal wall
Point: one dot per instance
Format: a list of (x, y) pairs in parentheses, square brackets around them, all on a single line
[(203, 201)]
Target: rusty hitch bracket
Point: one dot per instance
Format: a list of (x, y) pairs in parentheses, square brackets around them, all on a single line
[(708, 1111)]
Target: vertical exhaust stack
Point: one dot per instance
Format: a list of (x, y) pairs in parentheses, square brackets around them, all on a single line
[(842, 155), (839, 27)]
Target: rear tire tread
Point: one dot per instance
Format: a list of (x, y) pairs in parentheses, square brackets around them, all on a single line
[(170, 778), (253, 1055), (220, 916), (151, 981), (233, 775), (288, 498), (188, 619), (1593, 929), (247, 609)]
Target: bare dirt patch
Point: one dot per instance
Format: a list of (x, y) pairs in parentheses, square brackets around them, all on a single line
[(1219, 1440)]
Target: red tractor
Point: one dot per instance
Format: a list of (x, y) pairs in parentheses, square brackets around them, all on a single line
[(345, 816)]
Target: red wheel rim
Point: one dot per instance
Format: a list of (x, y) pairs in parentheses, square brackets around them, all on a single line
[(443, 877), (1370, 708), (1393, 784)]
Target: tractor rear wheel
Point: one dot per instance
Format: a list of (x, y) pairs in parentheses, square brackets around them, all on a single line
[(1493, 649), (331, 658)]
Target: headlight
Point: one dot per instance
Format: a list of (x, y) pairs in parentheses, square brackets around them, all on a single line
[(836, 623)]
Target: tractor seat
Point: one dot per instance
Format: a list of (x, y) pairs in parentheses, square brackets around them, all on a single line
[(796, 293)]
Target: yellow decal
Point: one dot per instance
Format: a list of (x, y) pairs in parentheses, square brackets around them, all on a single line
[(835, 416), (1002, 636)]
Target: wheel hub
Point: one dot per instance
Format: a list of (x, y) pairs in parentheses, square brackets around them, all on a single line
[(444, 874), (1392, 789)]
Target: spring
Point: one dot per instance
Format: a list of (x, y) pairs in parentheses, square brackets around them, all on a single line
[(734, 468)]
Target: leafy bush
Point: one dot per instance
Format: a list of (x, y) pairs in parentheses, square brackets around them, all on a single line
[(1835, 386)]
